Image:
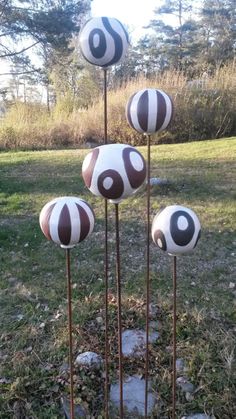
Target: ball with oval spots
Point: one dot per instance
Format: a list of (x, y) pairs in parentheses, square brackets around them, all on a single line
[(103, 41), (67, 220), (114, 171), (176, 229), (149, 111)]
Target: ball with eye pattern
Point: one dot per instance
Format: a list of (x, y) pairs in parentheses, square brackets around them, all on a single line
[(67, 221), (114, 171), (176, 229), (103, 41), (149, 111)]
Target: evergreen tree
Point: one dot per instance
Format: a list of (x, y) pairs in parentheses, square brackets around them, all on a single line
[(218, 32), (173, 44)]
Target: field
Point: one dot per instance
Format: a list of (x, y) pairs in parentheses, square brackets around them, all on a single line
[(33, 335)]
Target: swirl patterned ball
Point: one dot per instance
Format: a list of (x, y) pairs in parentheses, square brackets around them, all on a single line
[(103, 41), (149, 111), (114, 171), (176, 229), (67, 221)]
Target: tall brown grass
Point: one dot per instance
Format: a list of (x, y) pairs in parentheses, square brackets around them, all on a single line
[(204, 109)]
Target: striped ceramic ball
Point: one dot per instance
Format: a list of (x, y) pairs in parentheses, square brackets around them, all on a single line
[(176, 229), (114, 171), (149, 111), (66, 220), (103, 41)]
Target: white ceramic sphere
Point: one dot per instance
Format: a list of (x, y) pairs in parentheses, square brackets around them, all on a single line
[(114, 171), (103, 41), (67, 220), (176, 229), (149, 111)]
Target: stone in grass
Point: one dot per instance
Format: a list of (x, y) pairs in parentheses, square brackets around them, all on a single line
[(158, 181), (134, 342), (89, 359), (153, 310), (185, 385), (78, 410), (181, 365), (133, 396), (198, 416)]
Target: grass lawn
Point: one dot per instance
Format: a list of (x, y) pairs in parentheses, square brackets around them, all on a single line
[(33, 335)]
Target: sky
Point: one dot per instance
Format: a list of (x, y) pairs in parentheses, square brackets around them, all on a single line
[(134, 13)]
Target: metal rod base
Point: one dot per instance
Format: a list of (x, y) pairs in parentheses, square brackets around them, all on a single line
[(147, 276), (72, 413), (118, 279), (174, 340)]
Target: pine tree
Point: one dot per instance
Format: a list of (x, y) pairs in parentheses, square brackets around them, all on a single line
[(218, 32), (174, 43)]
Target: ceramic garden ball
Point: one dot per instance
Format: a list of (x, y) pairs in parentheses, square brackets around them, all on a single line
[(67, 220), (114, 171), (149, 111), (176, 229), (103, 41)]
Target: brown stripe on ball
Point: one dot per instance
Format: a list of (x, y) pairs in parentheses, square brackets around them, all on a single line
[(128, 111), (198, 237), (46, 220), (160, 240), (88, 171), (64, 226), (161, 110), (143, 103), (136, 177), (84, 222)]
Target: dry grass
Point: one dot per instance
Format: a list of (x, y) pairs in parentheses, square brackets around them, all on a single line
[(204, 109)]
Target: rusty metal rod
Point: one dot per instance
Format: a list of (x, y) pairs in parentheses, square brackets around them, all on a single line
[(118, 280), (174, 339), (106, 263), (72, 413), (147, 276), (105, 104)]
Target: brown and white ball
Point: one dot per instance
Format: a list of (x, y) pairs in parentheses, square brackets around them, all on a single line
[(176, 229), (67, 220), (149, 111), (114, 171), (103, 41)]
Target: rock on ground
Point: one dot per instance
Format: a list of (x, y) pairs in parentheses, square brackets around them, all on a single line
[(89, 359), (134, 342), (181, 365), (158, 181), (185, 385), (133, 396)]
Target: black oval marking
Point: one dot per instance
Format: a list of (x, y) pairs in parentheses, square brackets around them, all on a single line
[(117, 188), (99, 51), (181, 237)]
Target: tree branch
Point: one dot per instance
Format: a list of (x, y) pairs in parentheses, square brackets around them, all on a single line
[(37, 70), (11, 54)]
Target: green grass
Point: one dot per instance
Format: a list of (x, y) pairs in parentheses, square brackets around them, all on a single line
[(33, 336)]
